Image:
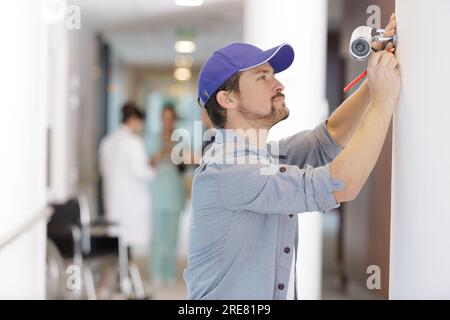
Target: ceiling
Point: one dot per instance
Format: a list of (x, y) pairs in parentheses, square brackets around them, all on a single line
[(143, 32)]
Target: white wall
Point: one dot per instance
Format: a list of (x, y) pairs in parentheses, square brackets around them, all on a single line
[(420, 219), (61, 116), (23, 145), (84, 103), (49, 82), (72, 112)]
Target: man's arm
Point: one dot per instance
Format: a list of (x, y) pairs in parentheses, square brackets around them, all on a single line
[(354, 164), (344, 122)]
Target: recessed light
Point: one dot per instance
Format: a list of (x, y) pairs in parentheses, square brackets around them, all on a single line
[(183, 61), (182, 74), (185, 46)]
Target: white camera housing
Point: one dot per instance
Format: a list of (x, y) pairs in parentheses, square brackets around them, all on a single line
[(361, 43)]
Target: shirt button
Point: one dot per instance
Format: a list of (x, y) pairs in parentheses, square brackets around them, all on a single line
[(291, 216), (280, 286), (287, 250), (282, 169)]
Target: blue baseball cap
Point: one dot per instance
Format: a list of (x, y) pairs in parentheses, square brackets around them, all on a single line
[(237, 57)]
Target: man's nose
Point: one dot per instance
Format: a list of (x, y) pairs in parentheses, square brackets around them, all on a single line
[(278, 86)]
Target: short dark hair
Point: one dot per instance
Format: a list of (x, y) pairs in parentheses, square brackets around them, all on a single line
[(216, 112), (130, 110)]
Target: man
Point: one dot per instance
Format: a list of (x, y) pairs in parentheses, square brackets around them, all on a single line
[(244, 225), (126, 175)]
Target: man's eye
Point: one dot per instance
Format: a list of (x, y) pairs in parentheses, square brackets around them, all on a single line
[(262, 77)]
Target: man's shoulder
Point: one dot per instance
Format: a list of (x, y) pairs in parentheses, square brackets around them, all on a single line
[(220, 155)]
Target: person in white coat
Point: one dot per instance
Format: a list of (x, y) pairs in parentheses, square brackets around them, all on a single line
[(126, 174)]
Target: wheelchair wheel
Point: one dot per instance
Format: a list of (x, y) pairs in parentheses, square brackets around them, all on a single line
[(55, 272)]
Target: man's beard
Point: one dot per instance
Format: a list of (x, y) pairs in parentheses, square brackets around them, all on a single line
[(266, 120)]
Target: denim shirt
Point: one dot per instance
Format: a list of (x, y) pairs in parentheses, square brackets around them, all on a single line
[(243, 231)]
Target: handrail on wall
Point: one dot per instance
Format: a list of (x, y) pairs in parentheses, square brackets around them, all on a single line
[(44, 214)]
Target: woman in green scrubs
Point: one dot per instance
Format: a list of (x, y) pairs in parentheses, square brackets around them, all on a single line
[(168, 197)]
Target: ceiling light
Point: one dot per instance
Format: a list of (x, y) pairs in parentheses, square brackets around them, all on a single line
[(183, 61), (182, 74), (189, 3), (185, 46)]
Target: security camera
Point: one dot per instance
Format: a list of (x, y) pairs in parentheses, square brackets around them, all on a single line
[(361, 42)]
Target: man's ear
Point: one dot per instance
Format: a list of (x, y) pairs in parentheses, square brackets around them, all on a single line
[(226, 100)]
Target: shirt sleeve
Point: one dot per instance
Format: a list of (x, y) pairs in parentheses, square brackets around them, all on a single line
[(314, 147), (274, 189)]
